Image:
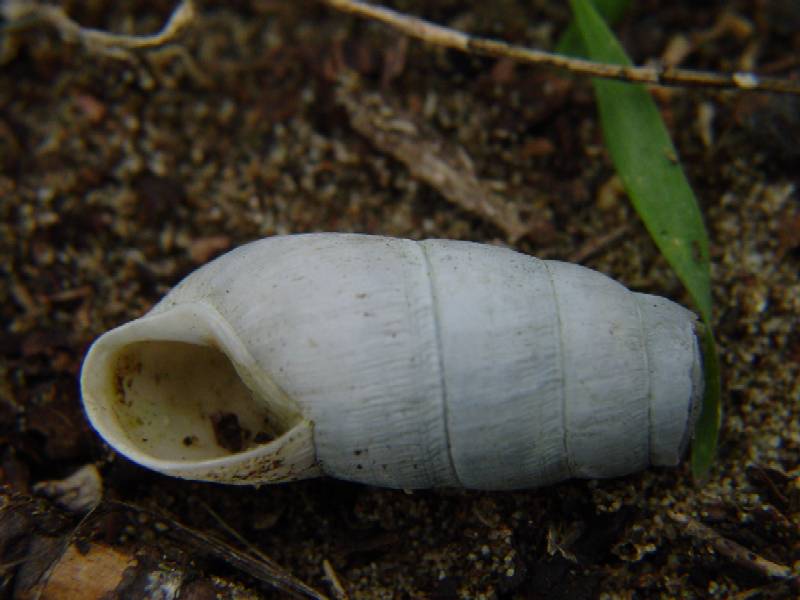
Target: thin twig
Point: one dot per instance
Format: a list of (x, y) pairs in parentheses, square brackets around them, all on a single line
[(730, 549), (457, 40), (336, 586), (596, 244), (21, 13), (238, 536)]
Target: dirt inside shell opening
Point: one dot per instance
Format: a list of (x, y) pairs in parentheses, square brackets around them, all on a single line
[(184, 402)]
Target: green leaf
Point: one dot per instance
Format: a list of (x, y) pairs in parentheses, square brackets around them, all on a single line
[(570, 42), (647, 163), (704, 444)]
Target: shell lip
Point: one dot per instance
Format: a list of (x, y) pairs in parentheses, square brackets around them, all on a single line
[(121, 419)]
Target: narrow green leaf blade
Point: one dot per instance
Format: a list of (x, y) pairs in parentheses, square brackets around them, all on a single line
[(647, 163), (704, 445), (570, 42)]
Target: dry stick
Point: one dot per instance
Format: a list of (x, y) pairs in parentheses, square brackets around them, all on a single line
[(238, 537), (330, 574), (730, 549), (20, 12), (450, 38), (595, 245)]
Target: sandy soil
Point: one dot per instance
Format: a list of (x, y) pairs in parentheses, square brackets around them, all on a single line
[(117, 178)]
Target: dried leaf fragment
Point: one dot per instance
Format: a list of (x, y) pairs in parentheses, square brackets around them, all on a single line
[(431, 159)]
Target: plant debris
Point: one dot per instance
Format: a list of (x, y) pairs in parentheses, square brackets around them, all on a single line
[(117, 177)]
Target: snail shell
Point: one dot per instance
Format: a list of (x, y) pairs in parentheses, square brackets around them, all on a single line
[(397, 363)]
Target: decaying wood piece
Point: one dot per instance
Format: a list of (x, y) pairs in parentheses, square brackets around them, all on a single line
[(87, 573), (443, 165)]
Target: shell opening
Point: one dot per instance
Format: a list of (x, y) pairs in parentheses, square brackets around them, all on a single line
[(179, 401), (178, 392)]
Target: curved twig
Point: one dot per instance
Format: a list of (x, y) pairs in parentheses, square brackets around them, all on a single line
[(20, 13)]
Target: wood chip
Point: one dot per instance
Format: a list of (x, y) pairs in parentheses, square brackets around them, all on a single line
[(88, 575)]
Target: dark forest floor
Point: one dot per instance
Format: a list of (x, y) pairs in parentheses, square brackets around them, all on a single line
[(118, 178)]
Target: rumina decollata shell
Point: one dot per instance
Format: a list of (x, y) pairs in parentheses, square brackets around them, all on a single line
[(397, 363)]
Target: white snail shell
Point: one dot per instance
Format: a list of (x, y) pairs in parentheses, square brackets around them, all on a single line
[(397, 363)]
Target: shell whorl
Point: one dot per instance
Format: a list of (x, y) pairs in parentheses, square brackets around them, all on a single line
[(405, 364)]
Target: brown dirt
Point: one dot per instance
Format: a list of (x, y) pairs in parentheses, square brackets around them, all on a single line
[(118, 178)]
